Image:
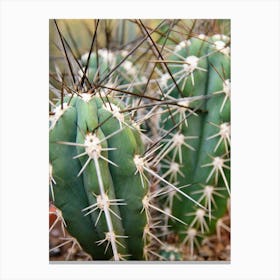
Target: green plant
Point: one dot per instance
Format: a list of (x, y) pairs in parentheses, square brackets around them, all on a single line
[(140, 139), (103, 62), (170, 253), (196, 153), (92, 150)]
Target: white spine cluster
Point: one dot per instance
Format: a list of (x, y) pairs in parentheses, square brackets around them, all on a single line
[(57, 113)]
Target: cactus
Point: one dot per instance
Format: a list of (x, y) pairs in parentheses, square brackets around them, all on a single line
[(104, 61), (196, 154), (92, 147), (140, 141), (171, 253)]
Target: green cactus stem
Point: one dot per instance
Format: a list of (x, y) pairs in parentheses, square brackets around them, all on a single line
[(92, 149), (197, 154)]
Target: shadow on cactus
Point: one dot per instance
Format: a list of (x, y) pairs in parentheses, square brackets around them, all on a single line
[(139, 138)]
